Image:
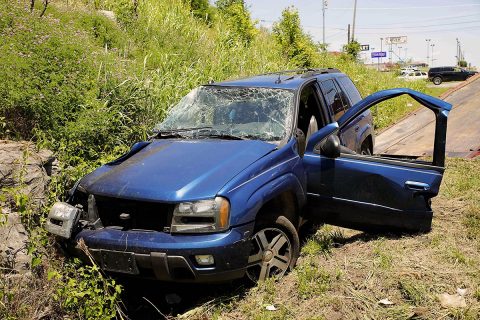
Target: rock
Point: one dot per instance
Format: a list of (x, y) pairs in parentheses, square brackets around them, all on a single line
[(452, 300), (22, 167), (109, 14), (23, 170), (13, 240)]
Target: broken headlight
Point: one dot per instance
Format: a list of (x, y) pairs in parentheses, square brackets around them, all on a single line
[(62, 219), (201, 216)]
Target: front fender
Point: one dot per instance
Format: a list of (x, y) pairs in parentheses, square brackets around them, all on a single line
[(280, 171), (285, 183)]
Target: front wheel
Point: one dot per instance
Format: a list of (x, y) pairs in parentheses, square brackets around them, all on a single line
[(275, 249), (437, 80)]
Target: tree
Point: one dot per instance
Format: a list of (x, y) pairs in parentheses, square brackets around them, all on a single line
[(201, 9), (352, 49), (236, 15), (294, 42)]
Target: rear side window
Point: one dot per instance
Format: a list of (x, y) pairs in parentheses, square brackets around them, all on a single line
[(333, 98), (350, 90)]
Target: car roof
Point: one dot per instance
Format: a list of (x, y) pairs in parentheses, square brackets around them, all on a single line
[(288, 79)]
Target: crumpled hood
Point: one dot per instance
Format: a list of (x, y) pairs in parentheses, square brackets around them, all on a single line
[(175, 170)]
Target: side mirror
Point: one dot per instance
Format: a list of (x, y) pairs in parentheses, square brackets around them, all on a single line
[(331, 147)]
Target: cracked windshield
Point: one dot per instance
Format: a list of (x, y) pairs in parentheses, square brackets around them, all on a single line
[(238, 113)]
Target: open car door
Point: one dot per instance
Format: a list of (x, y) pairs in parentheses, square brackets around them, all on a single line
[(374, 193)]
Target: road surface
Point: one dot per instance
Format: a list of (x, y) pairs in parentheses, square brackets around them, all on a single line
[(414, 135)]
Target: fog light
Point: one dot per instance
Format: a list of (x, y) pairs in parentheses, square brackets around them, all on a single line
[(205, 259)]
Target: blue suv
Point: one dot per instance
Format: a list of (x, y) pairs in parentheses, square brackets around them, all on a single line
[(236, 168)]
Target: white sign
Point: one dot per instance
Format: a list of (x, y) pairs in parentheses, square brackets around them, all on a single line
[(396, 40)]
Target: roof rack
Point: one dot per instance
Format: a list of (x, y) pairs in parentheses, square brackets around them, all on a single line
[(306, 72)]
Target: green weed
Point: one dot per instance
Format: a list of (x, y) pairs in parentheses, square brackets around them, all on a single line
[(312, 280)]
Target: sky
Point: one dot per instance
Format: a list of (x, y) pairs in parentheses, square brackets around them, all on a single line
[(441, 21)]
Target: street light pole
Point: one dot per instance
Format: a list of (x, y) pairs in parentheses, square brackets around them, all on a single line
[(381, 49), (324, 6), (354, 16), (428, 48), (432, 45)]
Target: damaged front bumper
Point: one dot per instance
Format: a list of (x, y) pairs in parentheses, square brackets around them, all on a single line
[(169, 257)]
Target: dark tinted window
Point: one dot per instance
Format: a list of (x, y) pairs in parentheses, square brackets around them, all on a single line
[(333, 98), (350, 89)]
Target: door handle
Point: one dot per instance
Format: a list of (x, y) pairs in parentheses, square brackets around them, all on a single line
[(417, 186), (357, 128)]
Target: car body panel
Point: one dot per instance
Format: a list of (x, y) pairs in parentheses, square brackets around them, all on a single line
[(175, 170), (375, 193)]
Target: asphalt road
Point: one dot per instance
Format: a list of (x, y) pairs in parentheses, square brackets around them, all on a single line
[(414, 135)]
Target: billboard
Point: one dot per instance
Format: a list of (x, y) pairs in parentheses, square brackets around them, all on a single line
[(396, 40)]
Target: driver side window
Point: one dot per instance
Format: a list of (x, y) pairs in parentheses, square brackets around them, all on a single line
[(310, 119)]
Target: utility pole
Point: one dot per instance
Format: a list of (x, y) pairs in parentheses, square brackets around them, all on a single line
[(354, 16), (428, 49), (458, 52), (381, 49), (324, 6), (348, 34)]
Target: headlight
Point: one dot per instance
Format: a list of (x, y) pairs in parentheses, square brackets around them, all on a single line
[(201, 216), (62, 219)]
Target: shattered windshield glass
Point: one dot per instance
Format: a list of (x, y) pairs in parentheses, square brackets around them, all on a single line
[(244, 113)]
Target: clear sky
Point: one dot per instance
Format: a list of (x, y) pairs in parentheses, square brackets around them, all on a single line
[(442, 21)]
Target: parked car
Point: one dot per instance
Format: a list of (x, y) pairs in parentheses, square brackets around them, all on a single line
[(234, 171), (439, 74), (414, 75), (408, 69)]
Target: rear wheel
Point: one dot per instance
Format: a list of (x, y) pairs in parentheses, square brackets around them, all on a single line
[(275, 249), (437, 80)]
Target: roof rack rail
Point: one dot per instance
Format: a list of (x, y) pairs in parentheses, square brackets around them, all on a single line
[(305, 72)]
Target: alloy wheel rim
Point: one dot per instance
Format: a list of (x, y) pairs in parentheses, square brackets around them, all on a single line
[(271, 255)]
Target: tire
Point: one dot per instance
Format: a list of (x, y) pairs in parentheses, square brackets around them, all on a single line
[(437, 80), (365, 149), (275, 249)]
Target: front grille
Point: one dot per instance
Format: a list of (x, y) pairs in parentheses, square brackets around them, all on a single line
[(135, 214)]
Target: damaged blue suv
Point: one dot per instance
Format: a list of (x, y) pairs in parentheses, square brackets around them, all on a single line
[(235, 170)]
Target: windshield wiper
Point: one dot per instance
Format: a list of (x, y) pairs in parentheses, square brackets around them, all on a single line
[(221, 135)]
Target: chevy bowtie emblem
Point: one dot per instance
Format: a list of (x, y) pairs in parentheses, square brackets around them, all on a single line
[(124, 216)]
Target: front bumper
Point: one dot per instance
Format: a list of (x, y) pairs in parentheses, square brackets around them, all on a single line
[(169, 257)]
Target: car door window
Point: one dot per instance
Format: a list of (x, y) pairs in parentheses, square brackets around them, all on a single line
[(333, 98), (350, 90), (310, 117)]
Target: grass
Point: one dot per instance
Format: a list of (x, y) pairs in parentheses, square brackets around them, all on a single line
[(345, 277)]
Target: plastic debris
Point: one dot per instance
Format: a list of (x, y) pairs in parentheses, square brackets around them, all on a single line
[(270, 307), (385, 302)]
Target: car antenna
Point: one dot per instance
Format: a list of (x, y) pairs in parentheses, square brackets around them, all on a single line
[(278, 80)]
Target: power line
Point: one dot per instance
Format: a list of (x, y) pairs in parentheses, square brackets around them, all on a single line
[(422, 26), (432, 19), (428, 31), (402, 8)]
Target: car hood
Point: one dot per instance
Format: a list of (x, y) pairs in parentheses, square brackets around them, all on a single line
[(175, 170)]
